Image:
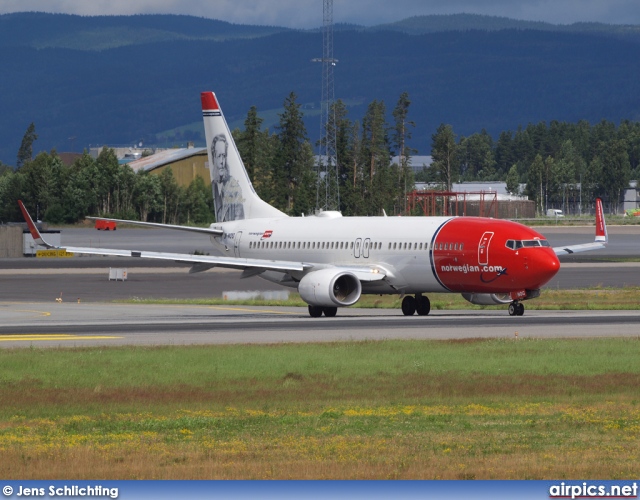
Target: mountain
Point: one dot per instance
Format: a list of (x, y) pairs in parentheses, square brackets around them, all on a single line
[(118, 80), (420, 25), (39, 30)]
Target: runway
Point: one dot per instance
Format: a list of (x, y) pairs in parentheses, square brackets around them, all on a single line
[(73, 325), (30, 315)]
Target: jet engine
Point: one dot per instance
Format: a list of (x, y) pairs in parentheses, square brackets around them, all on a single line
[(488, 299), (330, 288)]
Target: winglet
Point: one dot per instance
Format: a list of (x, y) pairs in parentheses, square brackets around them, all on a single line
[(601, 226), (37, 237)]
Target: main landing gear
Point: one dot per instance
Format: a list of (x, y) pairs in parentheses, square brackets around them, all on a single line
[(516, 308), (316, 311), (419, 304)]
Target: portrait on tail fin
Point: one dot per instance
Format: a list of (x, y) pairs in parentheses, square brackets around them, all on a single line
[(227, 193)]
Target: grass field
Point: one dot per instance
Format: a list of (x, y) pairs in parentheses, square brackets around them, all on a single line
[(392, 409)]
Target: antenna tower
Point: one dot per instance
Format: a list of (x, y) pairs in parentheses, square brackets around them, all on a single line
[(328, 191)]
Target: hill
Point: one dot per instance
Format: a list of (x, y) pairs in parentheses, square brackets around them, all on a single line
[(118, 80)]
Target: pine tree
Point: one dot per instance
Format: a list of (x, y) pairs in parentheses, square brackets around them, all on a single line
[(25, 153), (513, 181), (293, 162), (402, 134), (444, 153)]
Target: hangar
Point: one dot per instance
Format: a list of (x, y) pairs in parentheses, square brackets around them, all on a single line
[(186, 164)]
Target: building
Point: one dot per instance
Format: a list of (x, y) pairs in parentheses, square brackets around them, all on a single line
[(416, 162), (186, 164)]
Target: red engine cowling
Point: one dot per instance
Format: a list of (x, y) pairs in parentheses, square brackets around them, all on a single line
[(330, 288)]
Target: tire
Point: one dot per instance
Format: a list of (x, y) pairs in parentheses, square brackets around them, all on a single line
[(423, 305), (520, 310), (315, 311), (330, 312), (513, 309), (408, 306)]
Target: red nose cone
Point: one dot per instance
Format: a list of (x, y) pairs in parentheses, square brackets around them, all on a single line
[(546, 266)]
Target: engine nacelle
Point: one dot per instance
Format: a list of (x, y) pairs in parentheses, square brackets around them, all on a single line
[(488, 299), (330, 288)]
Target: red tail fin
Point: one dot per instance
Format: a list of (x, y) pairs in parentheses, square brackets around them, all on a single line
[(601, 226)]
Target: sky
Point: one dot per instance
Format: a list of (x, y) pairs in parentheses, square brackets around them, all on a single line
[(308, 13)]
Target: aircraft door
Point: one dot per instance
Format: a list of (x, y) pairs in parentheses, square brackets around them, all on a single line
[(483, 248), (356, 248), (236, 244), (365, 248)]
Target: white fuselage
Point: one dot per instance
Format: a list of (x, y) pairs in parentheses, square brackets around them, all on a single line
[(400, 246)]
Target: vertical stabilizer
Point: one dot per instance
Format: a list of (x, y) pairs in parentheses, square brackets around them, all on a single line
[(601, 226), (233, 193)]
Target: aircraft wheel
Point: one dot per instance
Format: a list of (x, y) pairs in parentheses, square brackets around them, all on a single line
[(513, 309), (423, 305), (520, 310), (315, 311), (330, 312), (408, 306)]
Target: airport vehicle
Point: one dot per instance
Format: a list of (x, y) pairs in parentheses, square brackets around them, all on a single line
[(332, 260), (554, 212)]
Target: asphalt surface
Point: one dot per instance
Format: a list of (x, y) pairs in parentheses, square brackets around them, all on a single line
[(72, 324)]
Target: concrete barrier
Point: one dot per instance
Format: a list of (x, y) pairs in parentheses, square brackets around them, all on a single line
[(10, 242)]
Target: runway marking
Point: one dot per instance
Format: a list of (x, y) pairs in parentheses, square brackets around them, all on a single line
[(242, 309), (41, 313), (54, 336)]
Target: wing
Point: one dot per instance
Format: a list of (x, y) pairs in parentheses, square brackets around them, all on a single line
[(202, 262), (602, 238)]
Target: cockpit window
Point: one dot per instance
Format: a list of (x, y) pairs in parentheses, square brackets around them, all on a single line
[(516, 244)]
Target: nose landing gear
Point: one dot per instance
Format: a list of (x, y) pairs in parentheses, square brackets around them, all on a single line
[(516, 308)]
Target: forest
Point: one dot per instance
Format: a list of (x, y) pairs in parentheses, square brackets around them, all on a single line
[(557, 162)]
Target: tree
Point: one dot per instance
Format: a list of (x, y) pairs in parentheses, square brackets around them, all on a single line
[(616, 171), (535, 182), (248, 141), (377, 187), (170, 195), (199, 202), (477, 157), (444, 155), (513, 181), (107, 170), (293, 162), (402, 134), (147, 196), (25, 153)]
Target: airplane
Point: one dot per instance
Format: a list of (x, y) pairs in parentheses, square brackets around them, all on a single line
[(333, 260)]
